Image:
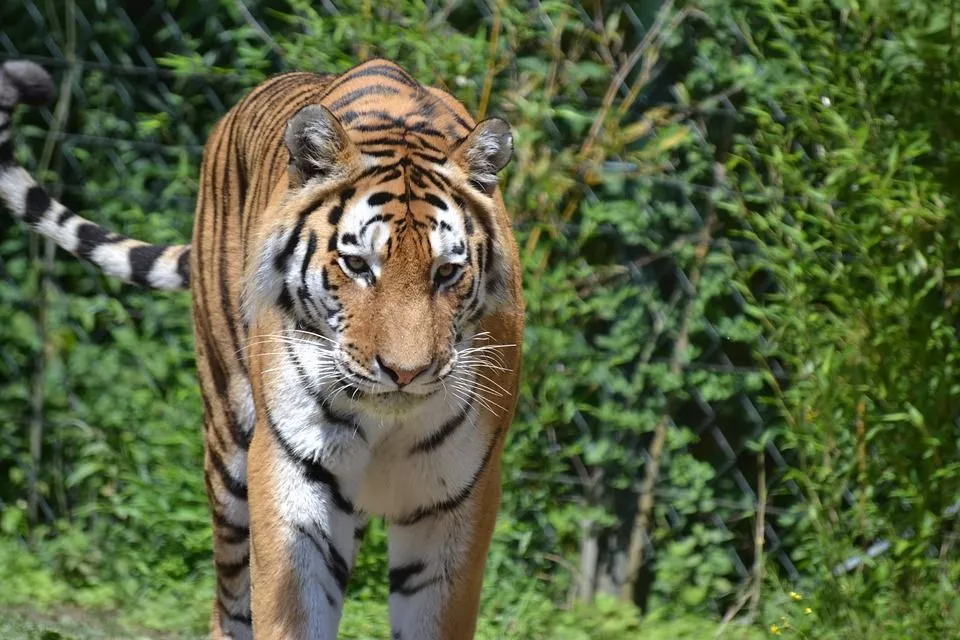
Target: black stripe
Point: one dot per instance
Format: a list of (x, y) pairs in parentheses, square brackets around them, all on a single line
[(65, 215), (330, 418), (142, 260), (391, 175), (429, 158), (327, 285), (222, 203), (435, 201), (279, 86), (236, 488), (372, 128), (35, 204), (424, 128), (233, 617), (386, 71), (334, 216), (427, 105), (313, 470), (458, 498), (360, 532), (378, 169), (310, 208), (331, 557), (420, 140), (386, 153), (282, 258), (432, 178), (460, 121), (209, 424), (438, 437), (228, 593), (349, 116), (339, 420), (380, 217), (384, 140), (231, 570), (401, 576), (310, 306), (183, 266), (285, 300), (228, 531), (491, 263), (311, 249), (481, 261), (232, 537), (440, 181), (6, 153), (488, 258), (473, 295), (357, 94), (219, 375), (416, 588), (379, 198), (91, 236)]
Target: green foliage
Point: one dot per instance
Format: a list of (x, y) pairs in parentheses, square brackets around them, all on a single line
[(859, 160), (862, 240), (753, 229)]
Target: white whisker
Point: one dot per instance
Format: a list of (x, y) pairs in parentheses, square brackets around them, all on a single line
[(316, 335), (490, 380), (474, 364), (481, 386)]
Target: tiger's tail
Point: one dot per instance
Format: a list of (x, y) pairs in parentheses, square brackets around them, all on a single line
[(156, 266)]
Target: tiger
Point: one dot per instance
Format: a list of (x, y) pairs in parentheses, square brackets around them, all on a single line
[(358, 320)]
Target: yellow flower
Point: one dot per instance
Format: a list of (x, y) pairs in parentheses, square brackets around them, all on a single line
[(796, 596), (774, 629), (808, 611)]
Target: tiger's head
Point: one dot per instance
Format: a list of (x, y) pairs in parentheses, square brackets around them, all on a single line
[(386, 253)]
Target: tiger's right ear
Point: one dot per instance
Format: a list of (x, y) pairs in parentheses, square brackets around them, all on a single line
[(318, 145)]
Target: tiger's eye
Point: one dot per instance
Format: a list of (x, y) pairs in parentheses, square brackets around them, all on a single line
[(356, 264), (444, 271)]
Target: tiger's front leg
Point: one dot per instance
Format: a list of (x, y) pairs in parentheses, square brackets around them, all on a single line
[(305, 532), (437, 558)]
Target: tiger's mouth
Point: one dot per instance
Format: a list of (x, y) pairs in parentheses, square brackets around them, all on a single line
[(397, 401)]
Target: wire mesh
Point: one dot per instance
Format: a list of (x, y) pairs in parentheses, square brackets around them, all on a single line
[(140, 83)]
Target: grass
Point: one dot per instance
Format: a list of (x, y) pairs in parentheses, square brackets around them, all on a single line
[(37, 604), (71, 623)]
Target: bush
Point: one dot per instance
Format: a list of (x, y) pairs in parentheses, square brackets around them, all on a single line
[(738, 263)]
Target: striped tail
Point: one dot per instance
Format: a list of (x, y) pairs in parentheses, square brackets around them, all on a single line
[(157, 266)]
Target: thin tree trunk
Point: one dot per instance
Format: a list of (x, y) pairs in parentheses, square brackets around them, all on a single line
[(641, 525), (589, 559)]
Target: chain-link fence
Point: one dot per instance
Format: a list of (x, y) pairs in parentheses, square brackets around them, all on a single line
[(133, 80)]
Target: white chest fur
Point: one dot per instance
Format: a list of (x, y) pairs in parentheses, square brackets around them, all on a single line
[(390, 462)]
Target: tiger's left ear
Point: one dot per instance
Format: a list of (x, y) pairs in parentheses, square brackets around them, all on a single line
[(319, 146), (484, 152)]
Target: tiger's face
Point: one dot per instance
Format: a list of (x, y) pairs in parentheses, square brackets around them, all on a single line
[(386, 258)]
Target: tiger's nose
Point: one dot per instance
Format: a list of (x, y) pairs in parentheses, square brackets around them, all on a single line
[(401, 376)]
